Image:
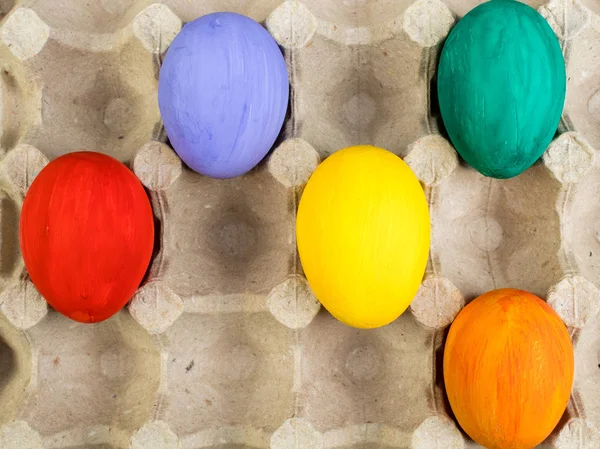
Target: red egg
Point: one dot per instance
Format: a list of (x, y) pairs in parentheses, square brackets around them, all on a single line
[(86, 235)]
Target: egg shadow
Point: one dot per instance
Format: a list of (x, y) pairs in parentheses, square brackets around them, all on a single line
[(439, 382), (429, 70), (10, 236), (439, 375), (8, 364), (156, 260), (290, 126)]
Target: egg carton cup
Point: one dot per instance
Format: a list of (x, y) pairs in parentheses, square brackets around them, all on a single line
[(224, 345)]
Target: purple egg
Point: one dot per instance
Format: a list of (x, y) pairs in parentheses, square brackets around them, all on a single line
[(223, 94)]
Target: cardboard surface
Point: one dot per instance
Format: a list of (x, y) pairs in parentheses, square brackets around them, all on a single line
[(224, 346)]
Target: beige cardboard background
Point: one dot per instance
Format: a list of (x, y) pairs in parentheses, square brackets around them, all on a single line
[(224, 346)]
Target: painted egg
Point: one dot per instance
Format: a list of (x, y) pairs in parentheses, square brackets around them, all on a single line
[(508, 369), (223, 94), (501, 87), (363, 235), (86, 235)]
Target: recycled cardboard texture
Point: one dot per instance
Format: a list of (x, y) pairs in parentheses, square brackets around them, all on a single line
[(224, 346)]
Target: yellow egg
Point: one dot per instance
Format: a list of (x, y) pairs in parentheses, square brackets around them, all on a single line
[(363, 235)]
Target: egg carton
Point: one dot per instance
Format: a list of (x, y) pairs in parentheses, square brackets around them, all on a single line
[(224, 345)]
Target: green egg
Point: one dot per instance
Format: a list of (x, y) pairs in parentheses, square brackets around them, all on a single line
[(501, 87)]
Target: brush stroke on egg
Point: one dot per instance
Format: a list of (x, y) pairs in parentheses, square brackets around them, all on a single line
[(223, 94), (363, 233), (86, 235), (508, 369), (501, 87)]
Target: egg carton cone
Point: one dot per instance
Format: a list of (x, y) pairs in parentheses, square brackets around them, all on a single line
[(224, 345)]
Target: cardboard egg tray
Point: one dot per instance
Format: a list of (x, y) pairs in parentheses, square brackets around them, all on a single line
[(224, 346)]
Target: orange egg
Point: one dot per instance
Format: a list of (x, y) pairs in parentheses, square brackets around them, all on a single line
[(508, 369)]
